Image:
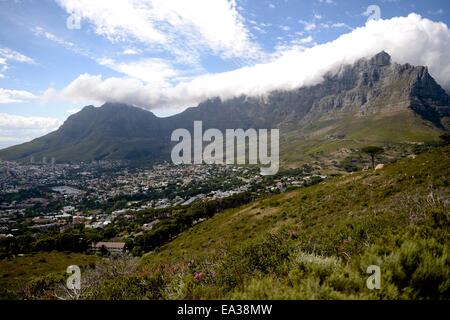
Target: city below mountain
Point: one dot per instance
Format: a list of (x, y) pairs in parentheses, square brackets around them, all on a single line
[(375, 101), (306, 155)]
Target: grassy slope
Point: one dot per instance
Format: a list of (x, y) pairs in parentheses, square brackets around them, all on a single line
[(326, 235), (310, 144), (20, 271), (339, 227), (311, 243), (365, 196)]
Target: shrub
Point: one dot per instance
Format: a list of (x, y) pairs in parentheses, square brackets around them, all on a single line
[(43, 287), (263, 255), (132, 287)]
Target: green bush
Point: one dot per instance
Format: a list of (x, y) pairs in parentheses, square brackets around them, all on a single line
[(133, 287), (418, 269), (263, 255), (43, 287)]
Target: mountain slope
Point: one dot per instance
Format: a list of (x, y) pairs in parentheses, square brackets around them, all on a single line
[(311, 243), (114, 131), (317, 242), (314, 211), (372, 101)]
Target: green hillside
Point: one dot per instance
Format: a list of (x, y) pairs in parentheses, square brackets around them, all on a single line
[(335, 139), (317, 242), (310, 243), (37, 270)]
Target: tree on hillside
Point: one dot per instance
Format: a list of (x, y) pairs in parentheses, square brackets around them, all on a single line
[(445, 137), (372, 151)]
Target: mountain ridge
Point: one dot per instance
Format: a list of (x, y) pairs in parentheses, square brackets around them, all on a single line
[(369, 88)]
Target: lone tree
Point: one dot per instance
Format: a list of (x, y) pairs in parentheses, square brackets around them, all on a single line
[(372, 151), (445, 138)]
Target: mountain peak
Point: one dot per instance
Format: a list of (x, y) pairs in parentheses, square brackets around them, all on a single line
[(89, 107), (381, 59), (115, 105)]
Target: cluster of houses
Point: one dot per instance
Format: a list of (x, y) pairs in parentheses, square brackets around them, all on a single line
[(112, 248), (71, 184)]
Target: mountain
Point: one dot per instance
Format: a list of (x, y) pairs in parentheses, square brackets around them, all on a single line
[(114, 131), (371, 101)]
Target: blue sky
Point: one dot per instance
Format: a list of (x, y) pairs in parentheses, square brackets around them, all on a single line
[(59, 55)]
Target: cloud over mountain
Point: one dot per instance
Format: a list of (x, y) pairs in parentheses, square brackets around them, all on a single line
[(410, 39)]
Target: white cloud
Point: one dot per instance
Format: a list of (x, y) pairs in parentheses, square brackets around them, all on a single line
[(41, 32), (9, 121), (16, 129), (12, 96), (153, 71), (3, 67), (131, 52), (179, 26), (306, 40), (259, 29), (327, 1), (290, 69), (309, 26), (335, 25), (113, 89), (9, 54), (49, 95), (341, 25), (436, 12)]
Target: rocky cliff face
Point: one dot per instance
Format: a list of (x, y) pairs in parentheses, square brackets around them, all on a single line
[(428, 99), (379, 86), (370, 87)]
